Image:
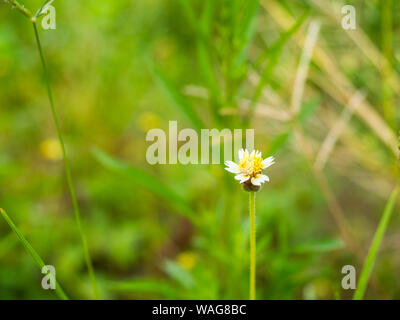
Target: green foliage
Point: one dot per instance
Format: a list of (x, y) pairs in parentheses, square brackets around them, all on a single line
[(272, 55), (145, 180), (176, 98), (121, 68)]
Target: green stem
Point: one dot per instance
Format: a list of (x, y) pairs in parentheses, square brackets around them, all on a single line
[(252, 245), (59, 291), (376, 242), (387, 65), (21, 8), (67, 170)]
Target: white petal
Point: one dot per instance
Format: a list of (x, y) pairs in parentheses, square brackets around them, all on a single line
[(233, 170), (258, 154), (230, 163), (232, 167), (242, 177), (268, 162), (260, 179), (252, 153), (241, 151)]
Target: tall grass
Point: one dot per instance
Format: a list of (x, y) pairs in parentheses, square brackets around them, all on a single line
[(33, 19), (260, 64), (38, 260), (373, 250), (387, 62)]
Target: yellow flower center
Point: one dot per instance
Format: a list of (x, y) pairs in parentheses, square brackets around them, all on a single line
[(250, 165)]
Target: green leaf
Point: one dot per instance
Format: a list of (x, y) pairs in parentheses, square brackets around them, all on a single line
[(309, 109), (33, 253), (278, 45), (179, 274), (207, 70), (373, 250), (207, 17), (319, 246), (145, 180), (190, 15), (202, 27), (247, 30), (278, 143), (249, 19), (176, 98), (273, 54), (42, 8)]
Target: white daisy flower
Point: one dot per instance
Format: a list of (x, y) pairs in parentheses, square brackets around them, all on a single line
[(248, 171)]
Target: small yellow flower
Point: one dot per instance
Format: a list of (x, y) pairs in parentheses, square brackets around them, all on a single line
[(51, 149), (187, 260), (248, 171), (148, 121)]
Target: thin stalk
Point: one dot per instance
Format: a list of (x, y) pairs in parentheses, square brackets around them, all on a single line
[(59, 291), (252, 196), (67, 169), (21, 8), (376, 242), (387, 69)]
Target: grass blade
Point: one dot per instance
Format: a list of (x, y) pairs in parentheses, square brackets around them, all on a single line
[(387, 68), (278, 143), (308, 109), (177, 99), (202, 28), (247, 30), (145, 180), (273, 54), (42, 8), (67, 169), (190, 15), (59, 291), (373, 250), (320, 246), (276, 47)]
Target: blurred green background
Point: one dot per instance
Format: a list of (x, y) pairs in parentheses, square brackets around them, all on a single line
[(121, 68)]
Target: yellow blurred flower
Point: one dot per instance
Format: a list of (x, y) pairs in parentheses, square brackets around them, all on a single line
[(51, 149), (318, 289), (187, 260), (148, 121)]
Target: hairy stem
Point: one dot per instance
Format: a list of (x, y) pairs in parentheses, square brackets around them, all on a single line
[(21, 8)]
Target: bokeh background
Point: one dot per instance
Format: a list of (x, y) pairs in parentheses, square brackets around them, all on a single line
[(121, 68)]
